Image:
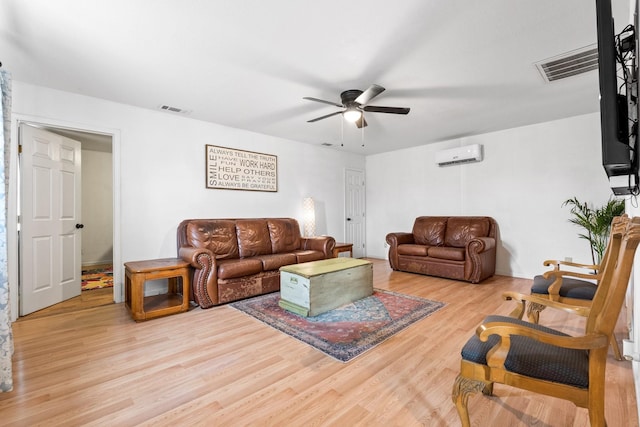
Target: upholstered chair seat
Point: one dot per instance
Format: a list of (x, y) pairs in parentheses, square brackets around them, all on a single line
[(570, 287), (533, 358)]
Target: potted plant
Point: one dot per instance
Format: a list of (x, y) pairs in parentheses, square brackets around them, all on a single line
[(596, 222)]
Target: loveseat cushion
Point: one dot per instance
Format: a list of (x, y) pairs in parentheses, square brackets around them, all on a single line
[(429, 230), (232, 268), (413, 250), (253, 237), (462, 229), (285, 235), (445, 252), (219, 236), (275, 261)]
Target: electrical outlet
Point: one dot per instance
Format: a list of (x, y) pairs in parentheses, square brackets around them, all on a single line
[(568, 259)]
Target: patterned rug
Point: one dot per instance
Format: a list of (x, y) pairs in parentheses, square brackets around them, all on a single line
[(97, 278), (347, 331)]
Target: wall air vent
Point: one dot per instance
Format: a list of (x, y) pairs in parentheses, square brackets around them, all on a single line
[(174, 109), (569, 64)]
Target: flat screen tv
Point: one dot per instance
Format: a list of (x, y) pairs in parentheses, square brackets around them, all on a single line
[(616, 153)]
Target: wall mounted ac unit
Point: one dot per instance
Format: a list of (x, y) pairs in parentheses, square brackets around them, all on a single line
[(454, 156)]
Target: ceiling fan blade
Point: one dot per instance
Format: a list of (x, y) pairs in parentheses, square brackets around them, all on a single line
[(323, 101), (369, 94), (324, 117), (392, 110), (361, 122)]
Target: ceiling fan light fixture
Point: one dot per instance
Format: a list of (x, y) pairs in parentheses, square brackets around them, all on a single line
[(352, 115)]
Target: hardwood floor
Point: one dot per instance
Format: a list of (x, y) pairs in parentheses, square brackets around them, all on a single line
[(220, 367), (86, 300)]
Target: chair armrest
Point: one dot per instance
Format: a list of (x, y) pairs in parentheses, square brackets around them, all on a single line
[(498, 354), (324, 244), (521, 299), (506, 330), (560, 273), (557, 263)]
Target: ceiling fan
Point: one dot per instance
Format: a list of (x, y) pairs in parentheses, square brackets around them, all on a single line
[(355, 102)]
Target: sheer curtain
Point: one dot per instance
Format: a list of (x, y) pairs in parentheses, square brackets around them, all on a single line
[(6, 338)]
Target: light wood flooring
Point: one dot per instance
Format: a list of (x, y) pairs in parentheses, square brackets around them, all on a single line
[(86, 300), (219, 367)]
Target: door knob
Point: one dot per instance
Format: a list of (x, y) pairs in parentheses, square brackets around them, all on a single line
[(79, 225)]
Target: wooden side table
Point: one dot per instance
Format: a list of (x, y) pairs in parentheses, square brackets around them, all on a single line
[(343, 247), (175, 270)]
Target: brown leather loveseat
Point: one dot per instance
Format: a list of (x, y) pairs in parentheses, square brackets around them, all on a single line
[(456, 247), (234, 259)]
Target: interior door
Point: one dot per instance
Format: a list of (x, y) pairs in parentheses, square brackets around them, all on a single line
[(354, 209), (50, 213)]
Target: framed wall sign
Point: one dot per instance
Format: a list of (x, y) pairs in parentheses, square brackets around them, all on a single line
[(231, 169)]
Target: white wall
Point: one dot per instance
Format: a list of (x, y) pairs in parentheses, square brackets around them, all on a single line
[(526, 175), (159, 164), (97, 207), (159, 160)]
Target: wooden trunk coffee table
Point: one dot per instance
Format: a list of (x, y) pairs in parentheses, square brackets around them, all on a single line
[(312, 288)]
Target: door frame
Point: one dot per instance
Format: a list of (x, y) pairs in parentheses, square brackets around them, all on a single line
[(13, 200)]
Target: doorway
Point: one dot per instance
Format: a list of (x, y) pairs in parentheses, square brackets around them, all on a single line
[(97, 210), (355, 211)]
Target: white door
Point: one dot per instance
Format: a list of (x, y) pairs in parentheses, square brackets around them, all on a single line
[(50, 239), (354, 209)]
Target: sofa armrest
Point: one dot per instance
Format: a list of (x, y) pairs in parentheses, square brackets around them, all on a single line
[(395, 239), (481, 244), (204, 284), (480, 258), (324, 244)]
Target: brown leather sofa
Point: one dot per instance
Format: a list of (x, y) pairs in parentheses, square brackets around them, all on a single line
[(234, 259), (456, 247)]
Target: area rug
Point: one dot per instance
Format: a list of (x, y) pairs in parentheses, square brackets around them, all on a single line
[(97, 278), (347, 331)]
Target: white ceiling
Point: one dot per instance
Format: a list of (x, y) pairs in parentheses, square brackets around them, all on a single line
[(464, 67)]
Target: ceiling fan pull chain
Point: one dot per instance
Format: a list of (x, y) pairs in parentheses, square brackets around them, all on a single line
[(341, 133), (362, 132)]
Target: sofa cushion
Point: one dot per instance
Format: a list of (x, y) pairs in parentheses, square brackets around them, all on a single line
[(429, 230), (445, 252), (308, 255), (284, 234), (414, 250), (275, 261), (232, 268), (462, 229), (253, 237), (219, 236)]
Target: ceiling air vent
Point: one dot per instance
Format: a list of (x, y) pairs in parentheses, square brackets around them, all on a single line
[(174, 109), (569, 64)]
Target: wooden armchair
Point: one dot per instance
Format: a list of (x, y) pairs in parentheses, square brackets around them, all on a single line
[(508, 350), (575, 287)]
